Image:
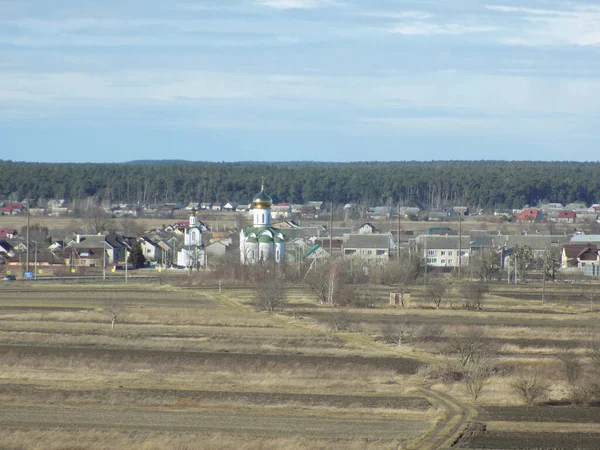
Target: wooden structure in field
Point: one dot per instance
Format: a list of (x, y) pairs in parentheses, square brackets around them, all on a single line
[(400, 299)]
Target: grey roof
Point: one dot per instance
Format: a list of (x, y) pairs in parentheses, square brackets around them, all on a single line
[(443, 242), (367, 241), (536, 242), (592, 238)]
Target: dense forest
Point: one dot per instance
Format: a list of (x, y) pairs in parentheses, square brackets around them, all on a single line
[(484, 184)]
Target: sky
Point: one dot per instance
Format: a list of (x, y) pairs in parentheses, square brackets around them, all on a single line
[(299, 80)]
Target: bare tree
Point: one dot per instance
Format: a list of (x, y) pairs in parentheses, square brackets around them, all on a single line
[(96, 220), (525, 261), (551, 264), (436, 292), (327, 284), (531, 386), (594, 351), (469, 345), (477, 375), (130, 227), (473, 293), (340, 321), (113, 308), (571, 365), (270, 296), (487, 265), (592, 297), (394, 333)]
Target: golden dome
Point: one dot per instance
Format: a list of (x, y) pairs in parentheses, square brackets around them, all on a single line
[(262, 200)]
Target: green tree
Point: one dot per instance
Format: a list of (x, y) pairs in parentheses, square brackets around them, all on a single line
[(136, 255)]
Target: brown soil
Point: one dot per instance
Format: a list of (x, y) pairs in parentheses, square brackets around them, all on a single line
[(259, 424), (509, 321), (399, 365), (546, 413), (537, 441), (173, 397)]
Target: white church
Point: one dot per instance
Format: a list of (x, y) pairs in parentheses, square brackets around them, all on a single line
[(192, 255), (261, 243)]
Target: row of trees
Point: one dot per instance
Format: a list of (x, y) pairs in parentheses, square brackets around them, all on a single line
[(484, 184)]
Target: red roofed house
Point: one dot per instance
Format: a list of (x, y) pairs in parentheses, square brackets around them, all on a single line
[(579, 255), (529, 215), (11, 209), (567, 217), (8, 233)]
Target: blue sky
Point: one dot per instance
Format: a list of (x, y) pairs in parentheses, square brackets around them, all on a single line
[(323, 80)]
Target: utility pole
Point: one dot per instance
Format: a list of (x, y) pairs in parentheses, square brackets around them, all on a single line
[(426, 260), (27, 256), (331, 229), (104, 260), (35, 267), (126, 264), (459, 243), (544, 274), (398, 233)]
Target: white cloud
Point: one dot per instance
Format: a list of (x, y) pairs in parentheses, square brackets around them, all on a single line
[(414, 15), (469, 92), (430, 29), (296, 4), (577, 26)]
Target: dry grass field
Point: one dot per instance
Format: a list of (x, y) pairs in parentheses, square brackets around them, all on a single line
[(192, 368)]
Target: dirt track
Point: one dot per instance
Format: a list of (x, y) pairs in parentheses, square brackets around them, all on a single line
[(253, 424)]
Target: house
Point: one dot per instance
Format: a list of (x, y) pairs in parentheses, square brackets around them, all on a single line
[(586, 238), (95, 250), (576, 206), (408, 211), (206, 205), (166, 252), (462, 210), (367, 228), (445, 251), (6, 249), (150, 249), (287, 224), (566, 217), (579, 255), (308, 212), (193, 206), (379, 212), (529, 215), (438, 215), (217, 249), (538, 243), (217, 206), (281, 210), (124, 210), (317, 204), (12, 209), (230, 206), (8, 233), (316, 252), (367, 246), (333, 246)]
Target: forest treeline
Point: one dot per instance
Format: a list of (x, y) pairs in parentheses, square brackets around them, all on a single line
[(484, 184)]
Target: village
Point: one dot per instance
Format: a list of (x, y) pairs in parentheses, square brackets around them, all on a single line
[(448, 239)]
